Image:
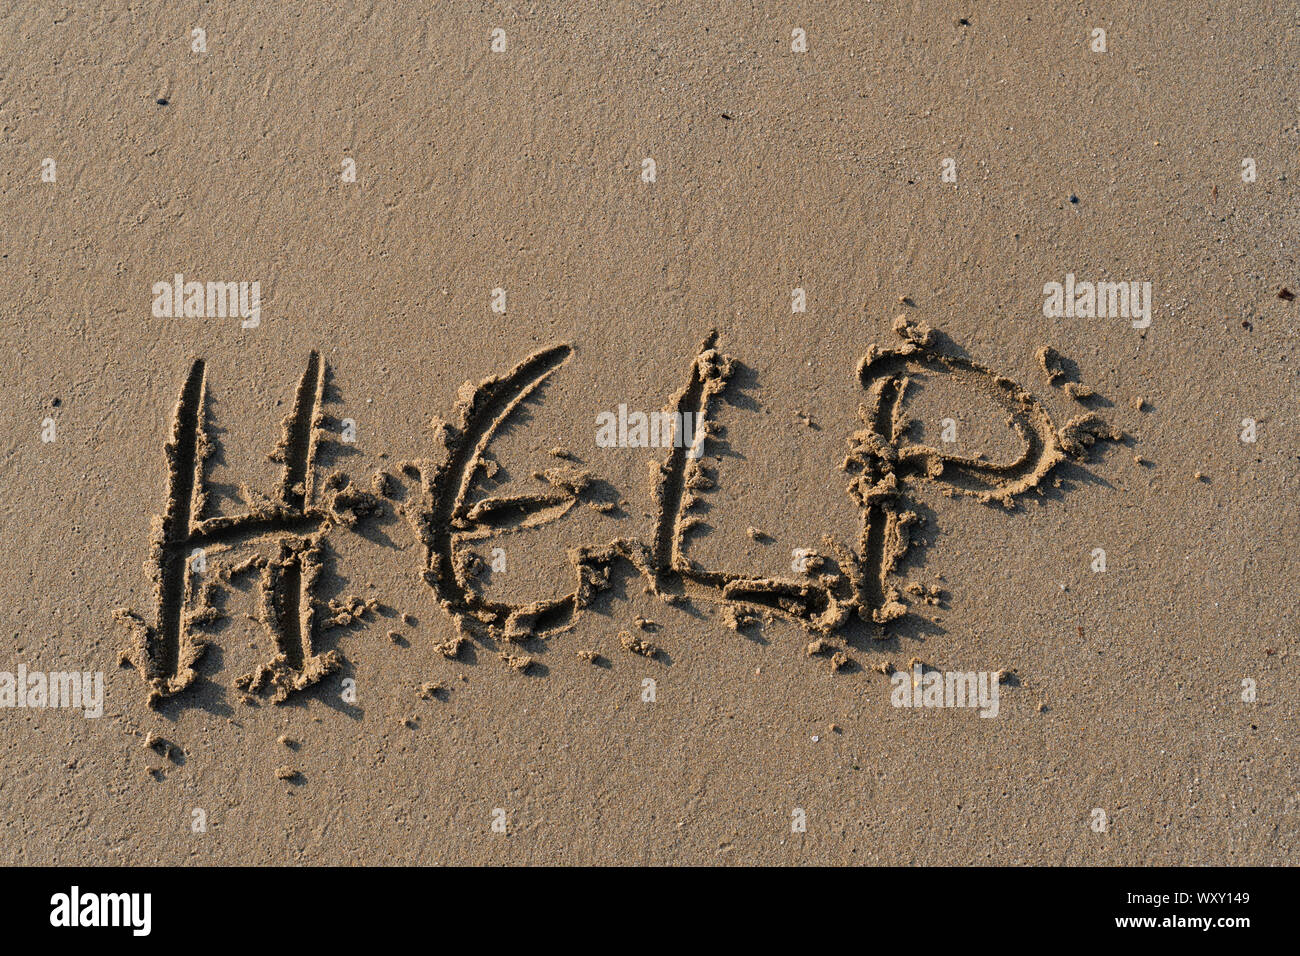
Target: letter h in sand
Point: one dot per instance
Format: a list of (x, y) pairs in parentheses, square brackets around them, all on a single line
[(296, 520)]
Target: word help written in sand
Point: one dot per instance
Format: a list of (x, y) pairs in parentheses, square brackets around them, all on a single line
[(853, 581)]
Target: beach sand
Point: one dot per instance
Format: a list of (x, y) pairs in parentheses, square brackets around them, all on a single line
[(681, 691)]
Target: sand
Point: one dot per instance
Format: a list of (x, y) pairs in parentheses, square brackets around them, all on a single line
[(367, 583)]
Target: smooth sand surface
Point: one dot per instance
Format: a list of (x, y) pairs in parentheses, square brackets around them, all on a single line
[(418, 709)]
